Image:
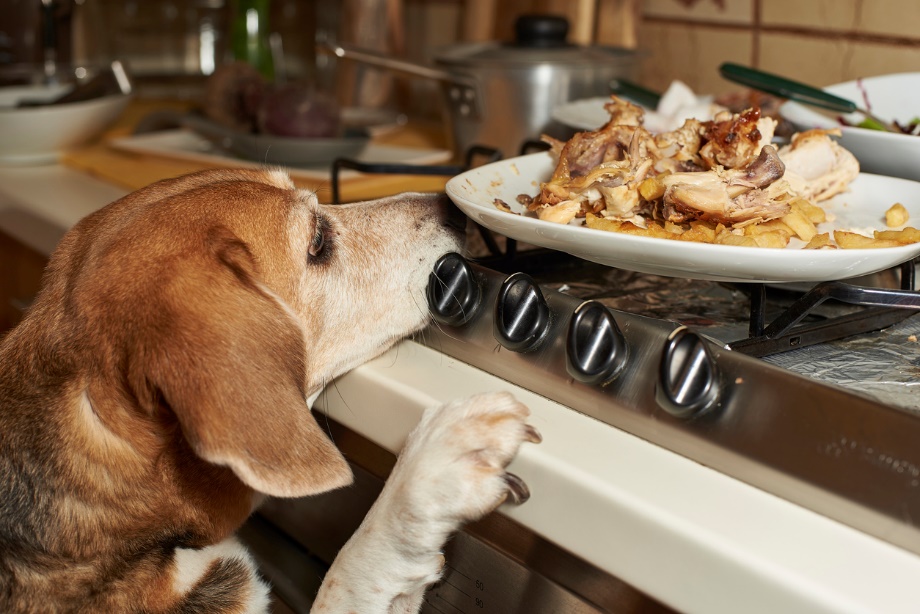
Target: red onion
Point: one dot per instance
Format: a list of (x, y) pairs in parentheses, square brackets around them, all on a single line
[(297, 111)]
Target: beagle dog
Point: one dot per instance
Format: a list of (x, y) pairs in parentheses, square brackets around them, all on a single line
[(157, 390)]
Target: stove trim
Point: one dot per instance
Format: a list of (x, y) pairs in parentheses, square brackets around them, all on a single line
[(837, 453)]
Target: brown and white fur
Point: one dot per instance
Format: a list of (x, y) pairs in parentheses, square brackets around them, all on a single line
[(156, 391)]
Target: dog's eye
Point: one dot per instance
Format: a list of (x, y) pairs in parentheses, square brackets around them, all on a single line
[(319, 239), (319, 243)]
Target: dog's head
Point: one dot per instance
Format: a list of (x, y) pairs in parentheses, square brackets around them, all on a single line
[(220, 301)]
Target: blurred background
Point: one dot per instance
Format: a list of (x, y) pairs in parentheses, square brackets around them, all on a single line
[(170, 46)]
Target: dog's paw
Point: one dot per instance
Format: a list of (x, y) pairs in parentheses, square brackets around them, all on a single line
[(452, 469)]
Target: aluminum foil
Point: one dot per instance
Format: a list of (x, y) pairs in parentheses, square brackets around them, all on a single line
[(884, 365)]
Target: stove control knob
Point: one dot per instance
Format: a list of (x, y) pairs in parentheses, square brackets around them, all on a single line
[(453, 292), (595, 347), (688, 382), (521, 314)]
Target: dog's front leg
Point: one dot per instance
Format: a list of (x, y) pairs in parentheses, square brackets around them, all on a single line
[(451, 471)]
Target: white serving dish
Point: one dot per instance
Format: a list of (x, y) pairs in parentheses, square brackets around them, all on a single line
[(861, 208), (891, 97)]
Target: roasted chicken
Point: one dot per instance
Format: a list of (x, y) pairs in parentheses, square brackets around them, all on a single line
[(817, 167), (724, 170)]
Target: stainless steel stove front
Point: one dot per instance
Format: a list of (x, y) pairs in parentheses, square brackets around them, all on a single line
[(844, 455)]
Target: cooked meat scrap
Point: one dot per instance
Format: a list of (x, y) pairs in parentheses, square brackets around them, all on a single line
[(561, 213), (730, 196), (588, 150), (623, 113), (765, 169), (724, 171), (679, 150), (732, 141), (817, 167)]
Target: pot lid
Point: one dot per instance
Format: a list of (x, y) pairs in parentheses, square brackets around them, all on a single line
[(539, 39)]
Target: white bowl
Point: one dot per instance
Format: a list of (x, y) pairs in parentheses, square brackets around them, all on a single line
[(39, 134), (892, 97)]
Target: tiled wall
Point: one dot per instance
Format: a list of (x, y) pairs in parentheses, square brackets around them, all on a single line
[(818, 41)]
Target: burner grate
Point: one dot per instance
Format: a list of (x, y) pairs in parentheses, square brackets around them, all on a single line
[(883, 308)]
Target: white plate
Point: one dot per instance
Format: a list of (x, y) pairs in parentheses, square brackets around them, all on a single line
[(863, 207), (186, 145), (892, 97), (677, 104), (586, 114)]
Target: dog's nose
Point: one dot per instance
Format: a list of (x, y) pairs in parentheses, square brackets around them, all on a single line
[(454, 217)]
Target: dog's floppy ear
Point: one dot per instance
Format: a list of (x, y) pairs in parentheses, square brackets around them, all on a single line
[(231, 365)]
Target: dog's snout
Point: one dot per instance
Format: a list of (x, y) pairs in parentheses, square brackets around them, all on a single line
[(454, 218)]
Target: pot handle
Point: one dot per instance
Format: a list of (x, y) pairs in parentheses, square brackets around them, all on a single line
[(363, 56), (463, 93)]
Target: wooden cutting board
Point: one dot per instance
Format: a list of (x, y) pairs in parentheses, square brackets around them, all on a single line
[(132, 170)]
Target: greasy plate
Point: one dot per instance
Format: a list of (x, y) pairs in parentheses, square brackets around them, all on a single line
[(862, 208)]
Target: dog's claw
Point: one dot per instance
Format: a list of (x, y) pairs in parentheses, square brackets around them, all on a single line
[(517, 489), (532, 435)]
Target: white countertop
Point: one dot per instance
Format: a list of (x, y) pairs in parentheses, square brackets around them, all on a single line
[(38, 204), (691, 537)]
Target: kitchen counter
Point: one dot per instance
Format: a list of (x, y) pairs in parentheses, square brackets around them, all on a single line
[(39, 203), (693, 538), (133, 170)]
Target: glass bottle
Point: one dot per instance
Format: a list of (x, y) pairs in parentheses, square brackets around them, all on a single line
[(249, 35)]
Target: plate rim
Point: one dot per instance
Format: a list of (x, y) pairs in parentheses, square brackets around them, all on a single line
[(900, 254)]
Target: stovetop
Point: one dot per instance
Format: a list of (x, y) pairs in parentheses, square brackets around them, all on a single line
[(884, 364), (666, 379)]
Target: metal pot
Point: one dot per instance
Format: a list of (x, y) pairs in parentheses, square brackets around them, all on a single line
[(503, 94)]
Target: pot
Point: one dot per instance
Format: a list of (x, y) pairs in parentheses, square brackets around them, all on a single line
[(501, 95)]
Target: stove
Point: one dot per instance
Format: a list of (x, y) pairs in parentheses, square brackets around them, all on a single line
[(707, 447), (837, 451)]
